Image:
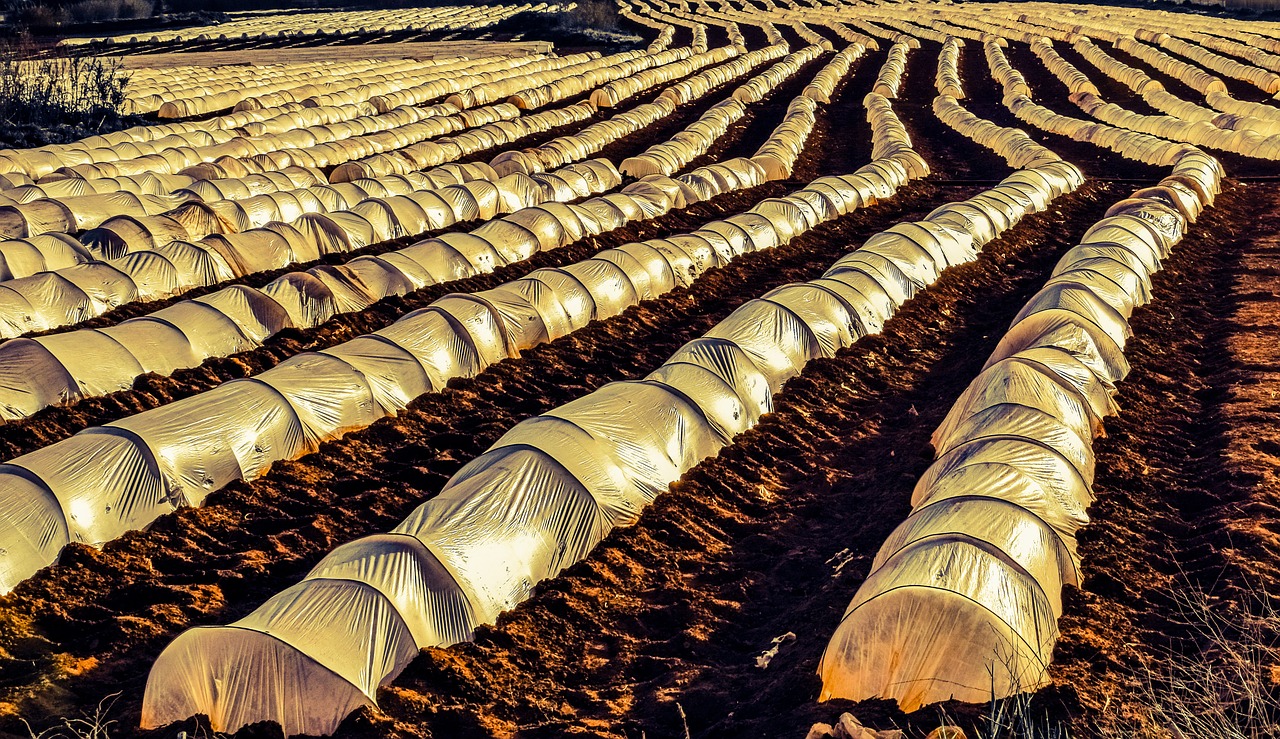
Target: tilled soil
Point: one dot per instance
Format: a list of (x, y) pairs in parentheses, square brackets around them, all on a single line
[(94, 623), (656, 632)]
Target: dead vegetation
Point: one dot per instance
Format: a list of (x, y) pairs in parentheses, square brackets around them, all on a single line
[(83, 93)]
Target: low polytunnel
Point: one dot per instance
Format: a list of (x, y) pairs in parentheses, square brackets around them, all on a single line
[(152, 257), (186, 333), (963, 598)]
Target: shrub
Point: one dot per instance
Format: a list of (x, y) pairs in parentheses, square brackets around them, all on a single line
[(42, 89), (57, 95)]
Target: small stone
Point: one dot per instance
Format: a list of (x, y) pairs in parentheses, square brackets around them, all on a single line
[(947, 732), (819, 731)]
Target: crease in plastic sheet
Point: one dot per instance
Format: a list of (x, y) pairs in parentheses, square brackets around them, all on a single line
[(106, 483), (526, 519)]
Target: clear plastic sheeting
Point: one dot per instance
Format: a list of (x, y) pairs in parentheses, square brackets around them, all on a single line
[(670, 156), (72, 294), (564, 149), (552, 487), (830, 76), (238, 318), (568, 85), (324, 395), (777, 155), (439, 151), (963, 598), (947, 80)]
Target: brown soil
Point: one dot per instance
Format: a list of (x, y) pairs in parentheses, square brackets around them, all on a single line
[(655, 633), (218, 562)]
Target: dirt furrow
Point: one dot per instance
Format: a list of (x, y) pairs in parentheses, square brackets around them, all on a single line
[(95, 622)]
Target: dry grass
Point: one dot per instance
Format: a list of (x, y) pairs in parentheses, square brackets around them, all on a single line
[(48, 88), (50, 96), (1223, 679), (94, 726)]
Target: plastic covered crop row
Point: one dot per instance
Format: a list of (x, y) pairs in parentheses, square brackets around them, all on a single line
[(1189, 74), (361, 146), (889, 80), (188, 159), (504, 88), (947, 80), (777, 155), (70, 295), (584, 143), (146, 184), (576, 84), (196, 220), (1017, 148), (240, 84), (348, 21), (1134, 145), (440, 88), (1010, 79), (1198, 133), (368, 89), (1265, 80), (98, 512), (452, 148), (619, 90), (810, 36), (829, 77), (694, 88), (1065, 71), (207, 89), (74, 214), (963, 598), (672, 155), (755, 89), (375, 84)]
